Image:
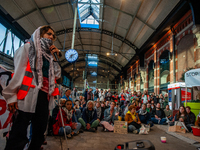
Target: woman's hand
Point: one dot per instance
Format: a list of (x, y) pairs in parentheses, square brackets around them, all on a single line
[(12, 107), (116, 114), (53, 49), (181, 119), (74, 125)]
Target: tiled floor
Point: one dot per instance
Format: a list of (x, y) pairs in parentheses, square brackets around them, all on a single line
[(108, 140)]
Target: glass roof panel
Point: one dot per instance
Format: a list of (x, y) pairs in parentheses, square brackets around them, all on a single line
[(89, 13)]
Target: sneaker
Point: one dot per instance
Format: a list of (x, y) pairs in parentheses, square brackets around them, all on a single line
[(167, 120), (81, 131), (91, 130), (135, 131), (75, 134), (69, 136)]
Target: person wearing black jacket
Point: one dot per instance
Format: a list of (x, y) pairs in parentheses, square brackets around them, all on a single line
[(154, 98), (96, 95), (89, 117), (191, 117), (158, 115)]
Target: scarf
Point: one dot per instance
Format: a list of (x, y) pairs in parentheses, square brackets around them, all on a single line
[(133, 116), (142, 112), (69, 113), (40, 47), (98, 112)]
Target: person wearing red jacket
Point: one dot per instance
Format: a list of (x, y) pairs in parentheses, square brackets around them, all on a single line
[(115, 97), (71, 126)]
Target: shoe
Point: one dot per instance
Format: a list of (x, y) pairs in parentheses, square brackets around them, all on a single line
[(69, 136), (165, 123), (135, 131), (81, 131), (75, 134), (91, 130)]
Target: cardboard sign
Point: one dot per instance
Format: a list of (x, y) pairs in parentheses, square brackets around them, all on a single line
[(176, 128), (121, 127)]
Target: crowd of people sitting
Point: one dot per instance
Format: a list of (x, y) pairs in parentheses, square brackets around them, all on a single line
[(102, 108)]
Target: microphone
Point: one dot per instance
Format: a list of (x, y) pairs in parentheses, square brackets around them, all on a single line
[(55, 55)]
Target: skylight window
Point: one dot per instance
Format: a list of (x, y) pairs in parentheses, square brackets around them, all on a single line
[(89, 13), (93, 73)]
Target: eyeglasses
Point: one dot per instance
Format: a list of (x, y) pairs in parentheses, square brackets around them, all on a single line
[(49, 33)]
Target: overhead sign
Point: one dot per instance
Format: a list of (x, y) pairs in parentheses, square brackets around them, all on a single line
[(177, 85)]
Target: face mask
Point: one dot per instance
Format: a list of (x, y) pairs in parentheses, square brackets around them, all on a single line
[(152, 107)]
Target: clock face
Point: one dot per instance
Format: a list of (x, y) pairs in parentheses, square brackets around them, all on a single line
[(71, 55)]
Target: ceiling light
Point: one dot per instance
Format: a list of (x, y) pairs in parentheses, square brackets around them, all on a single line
[(108, 53)]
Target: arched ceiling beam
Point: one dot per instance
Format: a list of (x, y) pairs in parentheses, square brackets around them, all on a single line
[(97, 46), (109, 33), (99, 68), (95, 77), (100, 57), (28, 13), (101, 61)]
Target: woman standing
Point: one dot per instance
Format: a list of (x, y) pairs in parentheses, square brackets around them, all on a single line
[(31, 91)]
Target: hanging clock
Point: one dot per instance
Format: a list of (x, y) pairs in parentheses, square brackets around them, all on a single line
[(71, 55)]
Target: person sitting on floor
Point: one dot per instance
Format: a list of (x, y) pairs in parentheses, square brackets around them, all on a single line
[(89, 117), (181, 116), (133, 120), (145, 116), (77, 104), (67, 97), (158, 115), (56, 110), (139, 106), (197, 123), (148, 109), (100, 112), (83, 105), (192, 118), (71, 126), (110, 115), (107, 104), (168, 113)]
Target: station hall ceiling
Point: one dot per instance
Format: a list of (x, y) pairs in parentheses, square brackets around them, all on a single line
[(129, 22)]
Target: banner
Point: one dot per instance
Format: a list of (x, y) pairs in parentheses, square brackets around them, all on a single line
[(183, 94), (192, 77), (5, 115)]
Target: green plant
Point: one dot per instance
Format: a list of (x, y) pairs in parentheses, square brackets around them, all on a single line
[(195, 101)]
